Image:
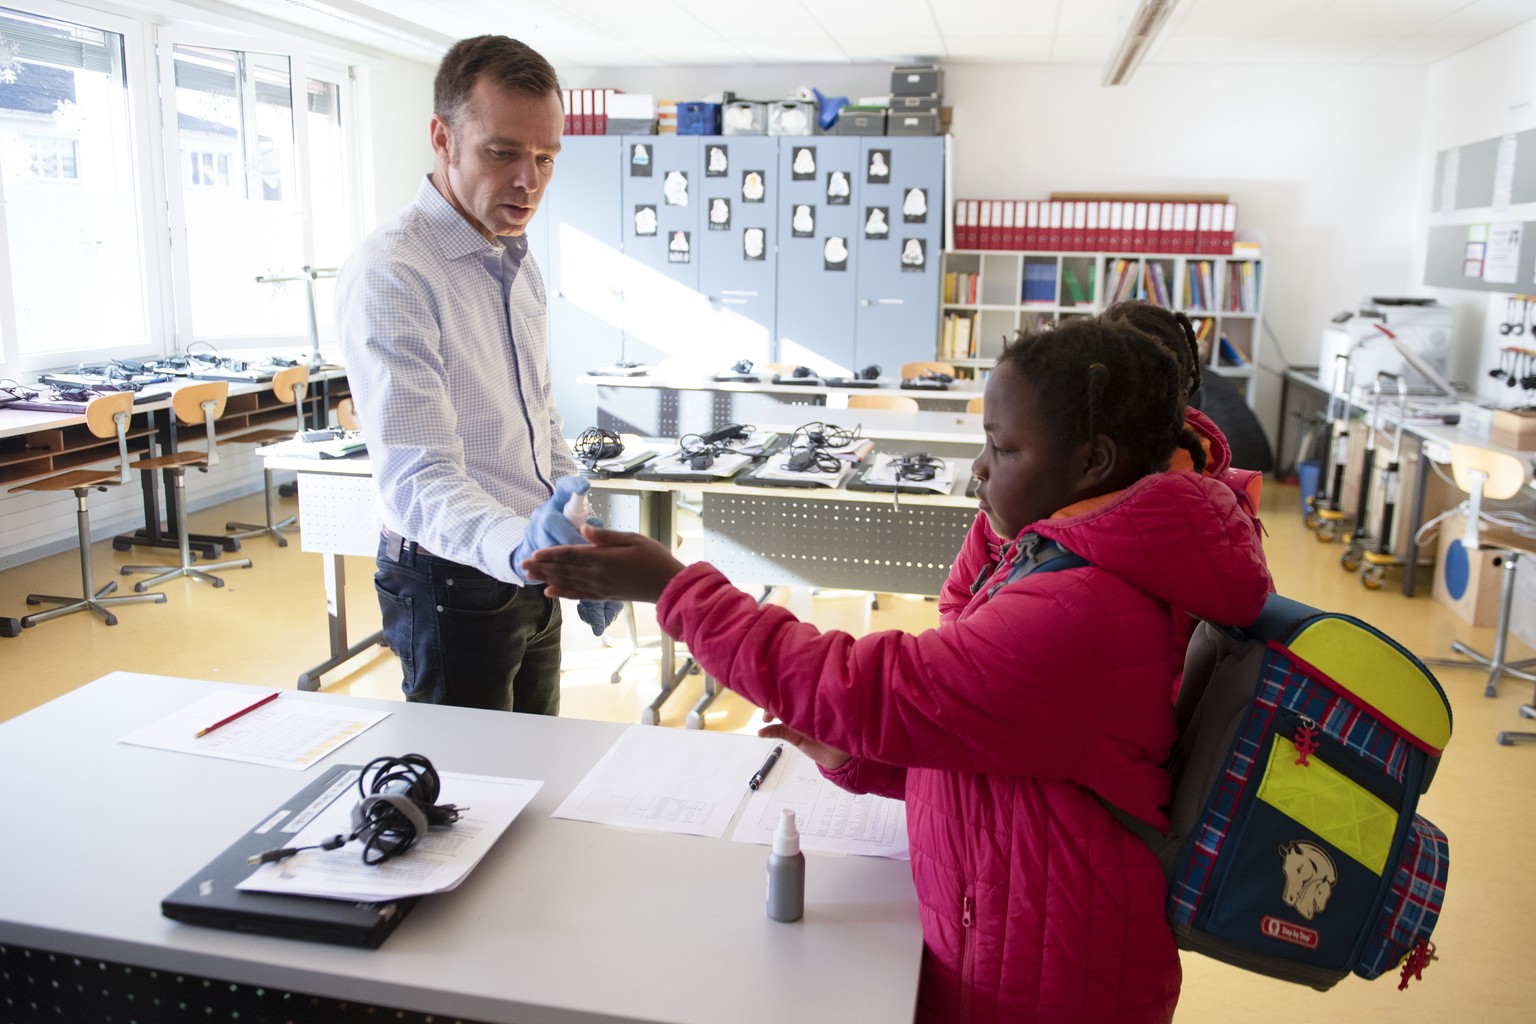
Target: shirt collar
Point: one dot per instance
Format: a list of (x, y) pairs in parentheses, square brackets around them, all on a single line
[(457, 236)]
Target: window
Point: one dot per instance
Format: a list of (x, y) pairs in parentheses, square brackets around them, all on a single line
[(53, 157), (263, 203), (72, 233), (150, 176)]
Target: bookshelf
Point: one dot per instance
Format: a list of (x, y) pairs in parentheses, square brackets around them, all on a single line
[(989, 294)]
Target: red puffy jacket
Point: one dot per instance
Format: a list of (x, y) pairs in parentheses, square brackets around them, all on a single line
[(1003, 728)]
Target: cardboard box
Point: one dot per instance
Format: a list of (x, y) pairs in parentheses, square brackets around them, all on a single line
[(911, 124), (859, 122), (744, 117), (917, 80), (1514, 429), (1467, 582)]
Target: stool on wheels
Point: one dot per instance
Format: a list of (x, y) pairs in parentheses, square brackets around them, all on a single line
[(290, 387), (196, 403), (105, 417)]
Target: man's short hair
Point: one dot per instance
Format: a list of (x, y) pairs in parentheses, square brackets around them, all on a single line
[(511, 64)]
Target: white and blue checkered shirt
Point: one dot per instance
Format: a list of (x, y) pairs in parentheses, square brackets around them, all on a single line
[(447, 353)]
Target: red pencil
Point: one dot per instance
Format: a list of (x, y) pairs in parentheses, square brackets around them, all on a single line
[(243, 711)]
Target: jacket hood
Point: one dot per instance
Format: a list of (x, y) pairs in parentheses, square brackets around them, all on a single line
[(1181, 537)]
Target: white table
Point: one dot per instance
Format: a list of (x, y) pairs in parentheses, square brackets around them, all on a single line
[(563, 921)]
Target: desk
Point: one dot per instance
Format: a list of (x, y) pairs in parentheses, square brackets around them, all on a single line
[(60, 441), (665, 406), (562, 922), (1424, 443)]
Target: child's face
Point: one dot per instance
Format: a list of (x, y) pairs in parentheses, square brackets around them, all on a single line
[(1024, 474)]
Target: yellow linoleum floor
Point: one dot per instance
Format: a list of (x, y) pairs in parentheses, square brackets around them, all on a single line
[(268, 624)]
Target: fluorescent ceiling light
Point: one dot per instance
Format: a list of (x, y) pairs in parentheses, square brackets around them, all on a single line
[(1145, 25)]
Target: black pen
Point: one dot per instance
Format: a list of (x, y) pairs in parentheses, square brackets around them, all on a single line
[(762, 773)]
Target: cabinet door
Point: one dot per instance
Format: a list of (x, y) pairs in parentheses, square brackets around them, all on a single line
[(663, 311), (738, 230), (900, 241), (819, 226), (582, 272)]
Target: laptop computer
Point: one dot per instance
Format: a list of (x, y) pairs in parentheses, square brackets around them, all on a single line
[(209, 898)]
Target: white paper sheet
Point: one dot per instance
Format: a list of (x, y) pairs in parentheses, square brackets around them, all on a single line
[(668, 780), (292, 733), (884, 473), (438, 861), (830, 820)]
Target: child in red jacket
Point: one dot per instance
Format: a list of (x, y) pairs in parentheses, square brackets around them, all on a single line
[(1008, 728)]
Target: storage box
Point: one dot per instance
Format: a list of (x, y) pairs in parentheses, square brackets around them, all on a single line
[(744, 117), (911, 124), (792, 117), (915, 104), (1475, 419), (917, 80), (1514, 429), (1467, 582), (698, 118), (859, 122)]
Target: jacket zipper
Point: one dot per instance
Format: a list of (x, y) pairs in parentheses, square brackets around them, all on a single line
[(967, 956)]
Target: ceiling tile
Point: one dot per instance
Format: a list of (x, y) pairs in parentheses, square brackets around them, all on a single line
[(1484, 18), (1212, 49), (993, 49), (1083, 49), (894, 48), (1245, 17), (1383, 17), (975, 18), (849, 17), (1425, 48), (798, 50), (1326, 49)]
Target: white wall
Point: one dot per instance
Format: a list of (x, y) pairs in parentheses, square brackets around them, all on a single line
[(1483, 93), (395, 100), (1324, 163)]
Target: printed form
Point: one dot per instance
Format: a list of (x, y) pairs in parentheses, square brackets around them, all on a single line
[(830, 820), (290, 732), (668, 780)]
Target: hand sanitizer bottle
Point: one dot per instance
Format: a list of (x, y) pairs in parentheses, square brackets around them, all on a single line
[(577, 510), (786, 871)]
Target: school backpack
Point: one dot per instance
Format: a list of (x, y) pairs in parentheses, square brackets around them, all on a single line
[(1296, 851)]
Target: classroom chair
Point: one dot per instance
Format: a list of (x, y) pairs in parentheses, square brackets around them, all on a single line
[(974, 404), (192, 404), (1483, 473), (910, 371), (346, 415), (289, 386), (105, 416), (901, 403)]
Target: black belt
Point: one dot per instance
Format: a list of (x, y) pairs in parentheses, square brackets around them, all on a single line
[(396, 545)]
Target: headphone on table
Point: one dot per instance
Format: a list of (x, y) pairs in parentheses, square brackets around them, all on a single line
[(595, 444), (399, 803), (917, 466), (870, 372)]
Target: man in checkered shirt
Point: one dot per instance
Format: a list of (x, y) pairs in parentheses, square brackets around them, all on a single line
[(443, 324)]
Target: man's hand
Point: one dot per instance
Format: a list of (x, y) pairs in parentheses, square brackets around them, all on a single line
[(548, 527), (599, 614)]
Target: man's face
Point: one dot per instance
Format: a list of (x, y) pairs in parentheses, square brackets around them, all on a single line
[(494, 163)]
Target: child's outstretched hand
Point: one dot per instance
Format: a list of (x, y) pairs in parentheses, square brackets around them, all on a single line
[(824, 754), (615, 566)]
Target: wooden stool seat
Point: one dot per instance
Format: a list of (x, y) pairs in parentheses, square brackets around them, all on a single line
[(74, 478), (171, 461)]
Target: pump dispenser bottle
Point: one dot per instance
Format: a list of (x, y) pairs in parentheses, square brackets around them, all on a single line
[(786, 871), (577, 511)]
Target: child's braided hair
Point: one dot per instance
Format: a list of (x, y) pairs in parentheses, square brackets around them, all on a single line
[(1097, 375)]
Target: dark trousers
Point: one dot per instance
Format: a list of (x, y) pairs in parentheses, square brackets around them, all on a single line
[(468, 639)]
